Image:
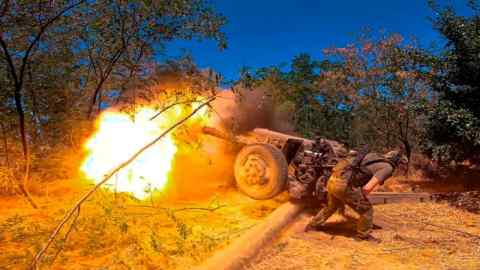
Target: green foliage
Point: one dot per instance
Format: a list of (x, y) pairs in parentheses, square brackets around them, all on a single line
[(62, 60), (453, 127), (294, 91), (455, 130), (368, 92), (381, 80)]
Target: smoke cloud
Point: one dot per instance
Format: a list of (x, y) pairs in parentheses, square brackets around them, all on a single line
[(204, 164), (207, 169), (247, 109)]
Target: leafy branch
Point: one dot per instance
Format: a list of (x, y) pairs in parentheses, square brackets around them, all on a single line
[(76, 208)]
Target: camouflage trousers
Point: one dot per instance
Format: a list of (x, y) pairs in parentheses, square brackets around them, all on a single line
[(341, 193)]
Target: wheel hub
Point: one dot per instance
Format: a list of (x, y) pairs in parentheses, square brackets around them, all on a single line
[(255, 170)]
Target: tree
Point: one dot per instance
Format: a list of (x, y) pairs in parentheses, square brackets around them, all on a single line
[(17, 54), (380, 81), (54, 54), (122, 37), (453, 126), (369, 92), (294, 92)]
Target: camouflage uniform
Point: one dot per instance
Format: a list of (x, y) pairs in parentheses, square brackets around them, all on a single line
[(342, 189)]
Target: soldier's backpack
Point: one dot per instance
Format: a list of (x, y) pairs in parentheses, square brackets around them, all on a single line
[(352, 169), (355, 170)]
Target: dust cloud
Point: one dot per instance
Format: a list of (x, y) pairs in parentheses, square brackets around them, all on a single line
[(247, 109), (204, 164), (207, 169)]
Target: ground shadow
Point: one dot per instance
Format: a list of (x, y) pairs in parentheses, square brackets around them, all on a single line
[(346, 227)]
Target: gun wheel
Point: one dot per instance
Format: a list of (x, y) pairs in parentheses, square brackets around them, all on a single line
[(261, 171)]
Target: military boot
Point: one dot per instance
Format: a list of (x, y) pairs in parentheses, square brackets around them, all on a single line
[(369, 238)]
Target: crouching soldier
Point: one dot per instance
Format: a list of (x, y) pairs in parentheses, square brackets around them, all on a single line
[(350, 183)]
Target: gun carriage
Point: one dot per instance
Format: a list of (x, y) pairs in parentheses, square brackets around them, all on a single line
[(270, 162)]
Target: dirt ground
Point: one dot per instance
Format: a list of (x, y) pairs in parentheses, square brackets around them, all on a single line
[(414, 236), (115, 231), (118, 232)]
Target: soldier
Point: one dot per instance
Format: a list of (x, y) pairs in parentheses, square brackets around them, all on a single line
[(351, 182)]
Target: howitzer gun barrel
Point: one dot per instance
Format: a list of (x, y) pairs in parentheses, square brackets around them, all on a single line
[(216, 133)]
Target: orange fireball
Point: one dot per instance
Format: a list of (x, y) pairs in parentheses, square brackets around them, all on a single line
[(120, 135)]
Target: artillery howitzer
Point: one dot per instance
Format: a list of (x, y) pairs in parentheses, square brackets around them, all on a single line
[(270, 162)]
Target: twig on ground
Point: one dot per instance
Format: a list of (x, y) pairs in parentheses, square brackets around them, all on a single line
[(210, 209), (389, 250), (213, 209), (233, 233), (41, 253), (407, 239), (462, 232), (168, 211)]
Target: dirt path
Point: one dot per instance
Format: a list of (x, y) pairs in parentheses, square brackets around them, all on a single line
[(410, 237)]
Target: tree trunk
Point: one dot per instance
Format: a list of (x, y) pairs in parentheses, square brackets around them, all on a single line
[(99, 106), (5, 145), (26, 157), (408, 153), (36, 129), (96, 97)]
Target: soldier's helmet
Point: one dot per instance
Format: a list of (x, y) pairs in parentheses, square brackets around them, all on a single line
[(396, 157)]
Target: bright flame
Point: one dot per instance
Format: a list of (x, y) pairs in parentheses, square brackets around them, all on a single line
[(120, 135)]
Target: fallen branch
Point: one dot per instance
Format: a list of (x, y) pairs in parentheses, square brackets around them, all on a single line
[(169, 211), (67, 234), (212, 209), (398, 249), (41, 253), (209, 209), (231, 233), (464, 233)]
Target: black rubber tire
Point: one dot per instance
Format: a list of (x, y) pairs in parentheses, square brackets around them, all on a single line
[(276, 174)]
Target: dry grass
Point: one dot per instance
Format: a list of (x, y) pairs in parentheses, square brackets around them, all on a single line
[(118, 232), (7, 178), (408, 242)]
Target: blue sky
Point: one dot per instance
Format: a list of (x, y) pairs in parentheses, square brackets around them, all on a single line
[(268, 32)]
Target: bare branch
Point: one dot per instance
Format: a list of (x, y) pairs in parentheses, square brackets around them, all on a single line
[(42, 30), (72, 225), (172, 105), (107, 177), (104, 76), (92, 60), (5, 7), (18, 78), (17, 96), (208, 209), (134, 67), (9, 59)]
